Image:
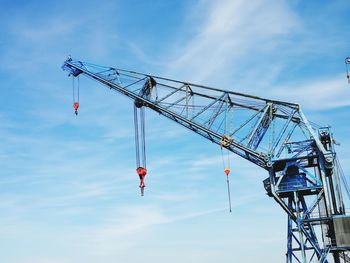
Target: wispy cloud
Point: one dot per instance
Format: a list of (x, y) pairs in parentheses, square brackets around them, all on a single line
[(316, 94), (252, 48), (232, 33)]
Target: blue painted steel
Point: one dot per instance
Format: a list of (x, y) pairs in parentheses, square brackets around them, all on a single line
[(299, 157)]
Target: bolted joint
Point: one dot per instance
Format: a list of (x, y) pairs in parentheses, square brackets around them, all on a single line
[(139, 103)]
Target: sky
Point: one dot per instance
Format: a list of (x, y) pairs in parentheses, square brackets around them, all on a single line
[(68, 188)]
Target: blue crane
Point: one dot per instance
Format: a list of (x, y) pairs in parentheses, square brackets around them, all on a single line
[(304, 175)]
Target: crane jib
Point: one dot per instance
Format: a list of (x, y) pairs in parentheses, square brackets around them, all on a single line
[(74, 71)]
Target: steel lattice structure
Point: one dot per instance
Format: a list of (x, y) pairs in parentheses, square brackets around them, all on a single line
[(304, 174)]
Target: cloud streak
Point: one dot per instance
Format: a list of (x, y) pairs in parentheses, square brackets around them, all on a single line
[(231, 33), (319, 94)]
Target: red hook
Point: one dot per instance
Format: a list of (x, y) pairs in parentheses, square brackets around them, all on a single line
[(227, 171), (76, 107), (142, 172)]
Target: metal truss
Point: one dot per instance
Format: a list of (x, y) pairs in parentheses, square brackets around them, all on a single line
[(275, 135)]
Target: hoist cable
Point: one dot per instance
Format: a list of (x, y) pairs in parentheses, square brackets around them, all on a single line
[(223, 158), (227, 179), (73, 90), (229, 193), (140, 138), (137, 146), (143, 140), (226, 165), (78, 88), (228, 157)]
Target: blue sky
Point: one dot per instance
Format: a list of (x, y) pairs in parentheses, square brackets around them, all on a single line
[(68, 189)]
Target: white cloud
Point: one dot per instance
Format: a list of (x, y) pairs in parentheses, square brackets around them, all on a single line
[(231, 32), (319, 94), (251, 46)]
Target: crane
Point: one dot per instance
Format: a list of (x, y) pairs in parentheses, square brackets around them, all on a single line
[(303, 172)]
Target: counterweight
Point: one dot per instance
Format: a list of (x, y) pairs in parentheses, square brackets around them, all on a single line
[(304, 174)]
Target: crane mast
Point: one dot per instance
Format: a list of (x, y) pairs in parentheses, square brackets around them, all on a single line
[(304, 174)]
